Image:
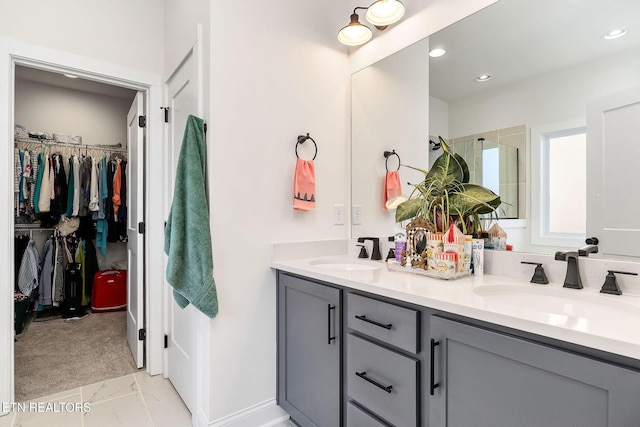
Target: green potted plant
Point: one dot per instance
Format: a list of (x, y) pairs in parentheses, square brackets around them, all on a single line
[(446, 197)]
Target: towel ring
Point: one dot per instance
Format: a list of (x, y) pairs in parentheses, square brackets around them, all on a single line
[(388, 154), (302, 139)]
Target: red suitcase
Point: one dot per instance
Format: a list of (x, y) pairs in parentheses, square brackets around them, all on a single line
[(109, 291)]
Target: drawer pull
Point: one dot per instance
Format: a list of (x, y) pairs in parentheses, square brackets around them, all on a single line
[(329, 337), (432, 385), (364, 376), (373, 322)]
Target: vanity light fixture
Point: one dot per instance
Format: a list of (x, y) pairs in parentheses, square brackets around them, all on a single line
[(437, 52), (483, 78), (385, 12), (381, 14), (355, 33), (614, 34)]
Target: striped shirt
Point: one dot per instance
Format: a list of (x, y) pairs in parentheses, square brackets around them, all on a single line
[(28, 274)]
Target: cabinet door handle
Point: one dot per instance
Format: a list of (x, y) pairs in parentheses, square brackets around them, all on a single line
[(432, 385), (364, 376), (373, 322), (329, 337)]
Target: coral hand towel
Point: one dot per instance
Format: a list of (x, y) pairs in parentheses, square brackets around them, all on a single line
[(392, 187), (304, 186)]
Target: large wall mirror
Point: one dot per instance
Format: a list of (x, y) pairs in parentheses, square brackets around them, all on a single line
[(548, 60)]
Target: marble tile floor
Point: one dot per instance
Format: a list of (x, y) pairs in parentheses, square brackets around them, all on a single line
[(136, 400)]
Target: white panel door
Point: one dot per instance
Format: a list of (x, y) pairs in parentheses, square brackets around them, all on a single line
[(613, 150), (182, 91), (135, 215)]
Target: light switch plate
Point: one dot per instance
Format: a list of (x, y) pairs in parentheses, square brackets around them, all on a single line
[(356, 217), (338, 214)]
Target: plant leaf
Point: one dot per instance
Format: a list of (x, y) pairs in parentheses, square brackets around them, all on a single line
[(474, 199), (408, 209)]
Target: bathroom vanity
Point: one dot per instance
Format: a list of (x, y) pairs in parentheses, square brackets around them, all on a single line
[(362, 346)]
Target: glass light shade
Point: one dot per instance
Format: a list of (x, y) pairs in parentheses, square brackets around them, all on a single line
[(385, 12), (355, 33)]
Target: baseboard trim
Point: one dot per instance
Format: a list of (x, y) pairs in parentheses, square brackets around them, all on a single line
[(265, 414)]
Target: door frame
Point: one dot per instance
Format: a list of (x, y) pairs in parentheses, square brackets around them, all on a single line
[(13, 52)]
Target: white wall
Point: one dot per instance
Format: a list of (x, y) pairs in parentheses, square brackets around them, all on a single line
[(438, 118), (390, 111), (277, 72), (118, 31), (98, 119)]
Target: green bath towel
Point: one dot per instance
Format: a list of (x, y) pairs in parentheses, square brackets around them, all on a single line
[(187, 236)]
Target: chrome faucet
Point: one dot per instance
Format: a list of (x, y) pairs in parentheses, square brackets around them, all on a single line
[(572, 279), (375, 253)]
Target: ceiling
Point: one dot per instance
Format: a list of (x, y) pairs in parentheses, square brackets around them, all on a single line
[(79, 84), (516, 39)]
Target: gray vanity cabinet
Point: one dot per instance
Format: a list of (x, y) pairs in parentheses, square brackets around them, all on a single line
[(484, 378), (309, 355), (383, 362)]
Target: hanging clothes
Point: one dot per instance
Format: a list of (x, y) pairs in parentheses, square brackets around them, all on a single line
[(80, 259), (117, 182), (60, 188), (44, 196), (94, 195), (38, 186), (57, 293), (70, 191), (17, 173), (122, 210), (29, 269), (76, 187), (34, 175), (46, 276), (19, 247)]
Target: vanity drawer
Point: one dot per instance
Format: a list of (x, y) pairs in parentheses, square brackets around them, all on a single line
[(356, 417), (383, 381), (387, 322)]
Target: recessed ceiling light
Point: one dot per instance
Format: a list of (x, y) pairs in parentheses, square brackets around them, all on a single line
[(614, 34), (71, 76), (483, 78), (437, 52)]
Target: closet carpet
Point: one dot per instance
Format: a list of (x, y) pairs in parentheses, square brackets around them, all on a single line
[(55, 355)]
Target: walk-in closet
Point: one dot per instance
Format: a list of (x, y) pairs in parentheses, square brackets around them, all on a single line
[(71, 181)]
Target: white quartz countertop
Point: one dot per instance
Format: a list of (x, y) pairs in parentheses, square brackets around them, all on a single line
[(585, 317)]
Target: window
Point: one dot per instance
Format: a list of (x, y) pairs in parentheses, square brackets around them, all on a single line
[(566, 188), (559, 192)]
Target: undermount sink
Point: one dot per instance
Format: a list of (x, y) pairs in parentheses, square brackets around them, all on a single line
[(346, 264), (578, 309)]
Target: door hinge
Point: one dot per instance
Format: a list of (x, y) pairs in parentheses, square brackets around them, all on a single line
[(142, 121), (141, 228), (166, 341), (166, 114), (142, 334)]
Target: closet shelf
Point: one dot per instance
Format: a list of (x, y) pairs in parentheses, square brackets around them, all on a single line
[(28, 227), (116, 148)]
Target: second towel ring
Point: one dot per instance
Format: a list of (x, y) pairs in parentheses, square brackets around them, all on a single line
[(388, 154), (302, 139)]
